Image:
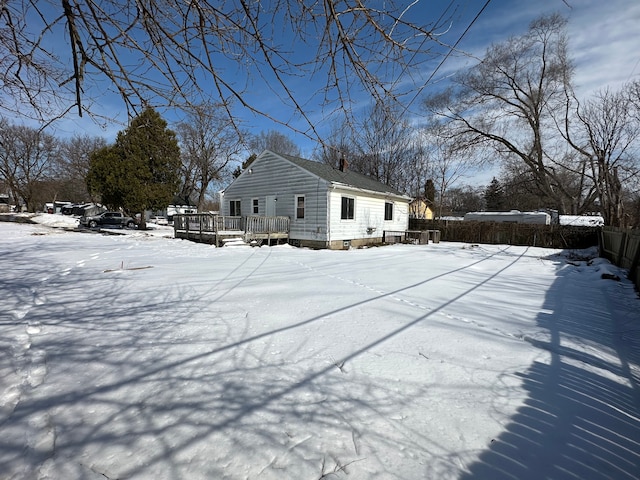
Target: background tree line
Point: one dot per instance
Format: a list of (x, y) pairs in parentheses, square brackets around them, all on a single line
[(147, 166), (518, 106), (515, 112)]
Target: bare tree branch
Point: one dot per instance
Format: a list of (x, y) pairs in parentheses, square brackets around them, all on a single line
[(177, 54)]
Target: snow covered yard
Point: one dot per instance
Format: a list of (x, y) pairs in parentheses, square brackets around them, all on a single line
[(143, 357)]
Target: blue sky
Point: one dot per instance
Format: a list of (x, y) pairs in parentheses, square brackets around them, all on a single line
[(604, 42)]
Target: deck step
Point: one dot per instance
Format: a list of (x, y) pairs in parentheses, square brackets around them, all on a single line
[(234, 242)]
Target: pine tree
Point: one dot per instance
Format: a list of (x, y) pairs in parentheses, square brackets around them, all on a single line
[(141, 171), (494, 196)]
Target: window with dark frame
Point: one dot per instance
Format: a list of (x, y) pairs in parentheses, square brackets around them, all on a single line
[(347, 211), (234, 208), (255, 206), (300, 207), (388, 211)]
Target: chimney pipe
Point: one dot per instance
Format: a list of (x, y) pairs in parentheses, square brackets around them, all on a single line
[(343, 164)]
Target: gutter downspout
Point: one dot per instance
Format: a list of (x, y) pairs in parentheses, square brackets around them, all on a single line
[(328, 225)]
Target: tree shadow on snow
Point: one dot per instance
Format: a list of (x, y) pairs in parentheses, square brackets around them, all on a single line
[(581, 418), (194, 395), (124, 390)]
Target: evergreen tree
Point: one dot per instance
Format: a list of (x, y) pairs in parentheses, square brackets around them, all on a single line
[(494, 196), (141, 171), (105, 177), (430, 194)]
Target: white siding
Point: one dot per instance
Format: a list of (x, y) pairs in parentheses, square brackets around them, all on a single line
[(271, 175), (369, 219)]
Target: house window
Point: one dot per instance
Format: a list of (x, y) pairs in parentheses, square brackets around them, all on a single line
[(254, 206), (388, 211), (347, 208), (234, 208), (300, 206)]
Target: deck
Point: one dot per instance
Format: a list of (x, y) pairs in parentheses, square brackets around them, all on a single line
[(216, 229)]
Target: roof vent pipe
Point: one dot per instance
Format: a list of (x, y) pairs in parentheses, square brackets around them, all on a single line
[(343, 164)]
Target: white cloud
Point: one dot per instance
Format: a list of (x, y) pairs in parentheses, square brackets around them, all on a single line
[(605, 41)]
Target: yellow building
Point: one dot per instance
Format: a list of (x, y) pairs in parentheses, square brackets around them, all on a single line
[(418, 208)]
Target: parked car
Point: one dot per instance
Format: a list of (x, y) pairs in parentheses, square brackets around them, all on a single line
[(108, 219), (67, 209), (159, 220)]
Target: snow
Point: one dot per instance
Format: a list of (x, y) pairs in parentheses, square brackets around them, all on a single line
[(582, 220), (140, 356)]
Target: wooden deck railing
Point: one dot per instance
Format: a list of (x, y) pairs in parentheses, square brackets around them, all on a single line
[(210, 223), (206, 222), (255, 224)]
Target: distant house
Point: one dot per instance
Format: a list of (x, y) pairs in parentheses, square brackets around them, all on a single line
[(179, 205), (328, 207), (418, 208)]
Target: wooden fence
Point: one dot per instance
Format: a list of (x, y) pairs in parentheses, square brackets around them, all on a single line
[(551, 236), (622, 247)]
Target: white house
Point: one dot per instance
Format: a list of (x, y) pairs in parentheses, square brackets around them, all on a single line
[(328, 207)]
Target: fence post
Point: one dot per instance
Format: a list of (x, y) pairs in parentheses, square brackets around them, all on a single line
[(623, 247), (634, 264), (601, 252)]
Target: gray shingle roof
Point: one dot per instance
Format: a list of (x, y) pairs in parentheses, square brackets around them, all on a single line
[(333, 175)]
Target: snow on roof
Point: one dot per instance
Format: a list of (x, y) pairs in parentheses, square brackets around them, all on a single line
[(582, 220)]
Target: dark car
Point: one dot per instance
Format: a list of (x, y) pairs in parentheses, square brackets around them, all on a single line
[(67, 209), (108, 219)]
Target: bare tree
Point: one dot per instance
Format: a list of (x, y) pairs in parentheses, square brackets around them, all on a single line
[(633, 92), (209, 144), (73, 166), (275, 141), (520, 190), (420, 167), (337, 145), (27, 159), (384, 145), (507, 104), (56, 56), (379, 144), (465, 198), (450, 162), (606, 133)]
